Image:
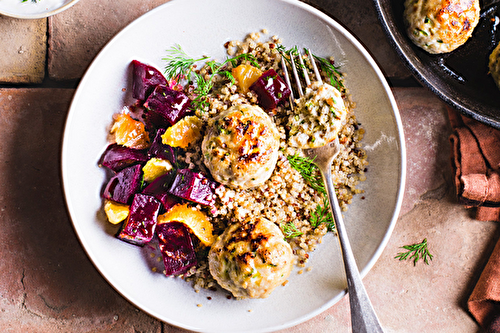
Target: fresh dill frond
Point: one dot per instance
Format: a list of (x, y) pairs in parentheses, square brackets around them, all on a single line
[(331, 71), (179, 63), (308, 170), (415, 252), (290, 230), (287, 54), (322, 214)]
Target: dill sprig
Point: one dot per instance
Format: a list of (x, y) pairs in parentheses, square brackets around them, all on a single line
[(290, 230), (415, 252), (179, 64), (308, 170), (292, 52), (331, 71), (322, 214)]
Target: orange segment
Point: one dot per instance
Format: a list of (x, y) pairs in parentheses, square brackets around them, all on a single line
[(193, 218), (116, 212), (155, 168), (184, 132), (245, 76), (129, 132)]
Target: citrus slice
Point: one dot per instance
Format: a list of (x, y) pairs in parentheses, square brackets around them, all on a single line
[(154, 168), (245, 76), (184, 132), (116, 212), (129, 132), (194, 219)]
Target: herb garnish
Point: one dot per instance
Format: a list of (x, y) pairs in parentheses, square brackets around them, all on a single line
[(331, 71), (35, 1), (308, 170), (290, 230), (322, 214), (415, 252), (180, 65)]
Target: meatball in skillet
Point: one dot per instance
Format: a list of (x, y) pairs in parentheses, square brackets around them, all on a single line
[(440, 26)]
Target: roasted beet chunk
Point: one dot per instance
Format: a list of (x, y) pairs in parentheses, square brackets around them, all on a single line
[(159, 189), (140, 225), (160, 150), (270, 89), (117, 157), (145, 79), (193, 186), (166, 106), (176, 247), (122, 186)]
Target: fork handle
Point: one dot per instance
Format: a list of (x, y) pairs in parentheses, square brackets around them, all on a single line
[(363, 316)]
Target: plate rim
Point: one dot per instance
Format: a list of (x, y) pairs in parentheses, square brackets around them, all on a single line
[(401, 176), (41, 15)]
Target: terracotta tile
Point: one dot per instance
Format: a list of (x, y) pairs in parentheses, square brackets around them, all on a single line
[(22, 51), (47, 283), (78, 34)]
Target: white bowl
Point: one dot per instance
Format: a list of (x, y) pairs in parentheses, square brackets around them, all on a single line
[(202, 27), (34, 10)]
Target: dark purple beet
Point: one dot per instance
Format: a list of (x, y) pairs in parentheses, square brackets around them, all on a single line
[(145, 79), (193, 186), (117, 157), (166, 106), (159, 189), (270, 89), (140, 225), (161, 150), (176, 247), (122, 186)]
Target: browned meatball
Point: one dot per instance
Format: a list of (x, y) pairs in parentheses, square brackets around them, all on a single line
[(241, 146), (440, 26), (251, 259)]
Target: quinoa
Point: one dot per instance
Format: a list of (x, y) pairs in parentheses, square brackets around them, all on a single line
[(286, 198)]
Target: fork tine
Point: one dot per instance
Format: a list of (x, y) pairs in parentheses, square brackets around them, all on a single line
[(315, 68), (296, 76), (304, 70), (287, 80)]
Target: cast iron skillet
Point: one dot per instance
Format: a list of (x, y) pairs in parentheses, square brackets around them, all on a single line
[(460, 78)]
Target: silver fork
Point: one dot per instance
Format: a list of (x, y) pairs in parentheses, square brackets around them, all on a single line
[(363, 316)]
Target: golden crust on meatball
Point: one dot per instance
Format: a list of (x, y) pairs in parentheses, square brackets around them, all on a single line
[(251, 259), (440, 26), (494, 65), (241, 146)]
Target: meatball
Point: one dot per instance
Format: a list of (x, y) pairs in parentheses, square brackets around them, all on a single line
[(241, 146), (495, 65), (440, 26), (318, 118), (251, 259)]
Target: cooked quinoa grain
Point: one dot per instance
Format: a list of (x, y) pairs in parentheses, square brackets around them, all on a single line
[(286, 198)]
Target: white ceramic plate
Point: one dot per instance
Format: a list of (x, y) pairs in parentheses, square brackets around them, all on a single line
[(34, 10), (202, 27)]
